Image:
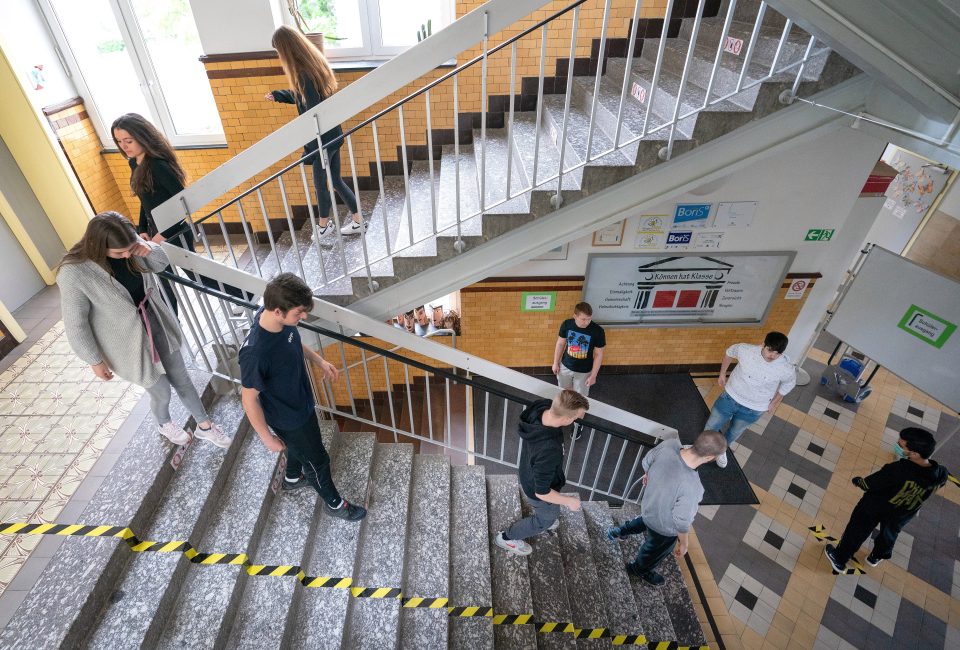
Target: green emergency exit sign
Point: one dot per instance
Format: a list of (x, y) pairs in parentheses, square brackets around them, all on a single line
[(819, 234)]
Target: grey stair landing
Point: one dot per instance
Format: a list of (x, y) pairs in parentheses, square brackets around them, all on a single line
[(427, 557), (470, 584), (374, 623)]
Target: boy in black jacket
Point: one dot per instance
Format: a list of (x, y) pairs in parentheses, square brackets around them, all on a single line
[(893, 496), (541, 467)]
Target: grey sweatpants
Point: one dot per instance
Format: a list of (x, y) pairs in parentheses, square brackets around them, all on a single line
[(544, 514), (176, 376)]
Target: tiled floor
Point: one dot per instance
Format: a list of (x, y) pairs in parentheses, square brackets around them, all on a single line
[(763, 572)]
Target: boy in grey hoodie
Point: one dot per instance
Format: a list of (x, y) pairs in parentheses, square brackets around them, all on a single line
[(541, 467), (669, 503)]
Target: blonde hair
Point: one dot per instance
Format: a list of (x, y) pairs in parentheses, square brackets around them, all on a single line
[(568, 403), (301, 60)]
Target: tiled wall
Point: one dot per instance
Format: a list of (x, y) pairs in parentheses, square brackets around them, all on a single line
[(239, 83)]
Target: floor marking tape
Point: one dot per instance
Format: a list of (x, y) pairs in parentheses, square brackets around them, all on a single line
[(332, 582), (820, 532)]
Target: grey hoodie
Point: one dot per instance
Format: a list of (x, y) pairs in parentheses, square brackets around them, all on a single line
[(673, 490)]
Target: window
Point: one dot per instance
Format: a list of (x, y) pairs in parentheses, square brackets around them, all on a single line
[(137, 56), (374, 28)]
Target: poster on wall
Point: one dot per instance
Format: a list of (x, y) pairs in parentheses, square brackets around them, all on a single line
[(737, 214), (651, 231), (916, 186), (611, 235), (683, 289)]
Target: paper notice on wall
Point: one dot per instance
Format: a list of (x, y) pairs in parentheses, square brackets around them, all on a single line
[(738, 214), (651, 231), (889, 204), (797, 289), (707, 239), (899, 211)]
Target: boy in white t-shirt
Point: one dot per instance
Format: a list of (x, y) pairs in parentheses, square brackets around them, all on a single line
[(757, 385)]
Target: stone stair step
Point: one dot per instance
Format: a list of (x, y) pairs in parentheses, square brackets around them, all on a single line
[(208, 600), (470, 583), (318, 615), (510, 573), (524, 137), (423, 213), (291, 526), (586, 610), (373, 622), (548, 587), (578, 128), (622, 612), (768, 39), (427, 573), (469, 196), (64, 604), (674, 592), (498, 149), (140, 604)]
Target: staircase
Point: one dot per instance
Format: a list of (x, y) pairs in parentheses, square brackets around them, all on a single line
[(426, 542), (415, 222)]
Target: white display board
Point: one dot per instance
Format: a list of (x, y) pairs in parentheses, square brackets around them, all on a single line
[(904, 317), (687, 289)]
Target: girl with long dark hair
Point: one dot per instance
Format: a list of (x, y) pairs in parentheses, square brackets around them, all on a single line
[(116, 322), (312, 80)]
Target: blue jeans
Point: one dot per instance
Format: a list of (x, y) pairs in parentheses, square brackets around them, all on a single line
[(726, 409), (655, 547)]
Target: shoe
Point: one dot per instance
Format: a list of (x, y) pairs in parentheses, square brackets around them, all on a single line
[(555, 525), (353, 228), (214, 434), (722, 460), (577, 432), (322, 230), (346, 511), (831, 552), (176, 435), (614, 533), (650, 577), (874, 561), (290, 486), (515, 546)]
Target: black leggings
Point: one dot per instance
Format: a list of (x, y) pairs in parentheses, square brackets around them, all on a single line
[(185, 241), (339, 185)]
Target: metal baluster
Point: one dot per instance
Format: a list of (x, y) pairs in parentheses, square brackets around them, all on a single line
[(366, 378), (557, 200), (266, 221), (656, 68), (536, 126), (226, 238), (468, 428), (209, 253), (616, 469), (406, 380), (633, 471), (486, 423), (293, 231), (483, 115), (626, 71), (448, 432), (383, 196), (313, 223), (720, 46), (513, 85), (406, 174), (596, 83), (603, 457), (666, 152), (246, 232), (197, 331), (459, 244), (753, 41), (783, 40), (803, 64), (393, 418), (372, 284), (586, 456), (426, 383), (573, 444), (346, 375), (433, 190), (503, 429), (325, 156)]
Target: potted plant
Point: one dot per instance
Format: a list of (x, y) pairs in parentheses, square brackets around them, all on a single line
[(315, 37)]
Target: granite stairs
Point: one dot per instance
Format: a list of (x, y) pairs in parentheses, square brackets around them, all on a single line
[(428, 535), (401, 216)]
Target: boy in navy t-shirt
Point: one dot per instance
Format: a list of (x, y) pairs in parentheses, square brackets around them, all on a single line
[(277, 394)]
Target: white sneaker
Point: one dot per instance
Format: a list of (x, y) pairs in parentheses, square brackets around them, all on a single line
[(515, 546), (322, 230), (353, 228), (176, 435), (722, 460), (555, 525), (214, 434)]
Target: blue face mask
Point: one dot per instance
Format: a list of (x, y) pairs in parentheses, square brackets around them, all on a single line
[(898, 450)]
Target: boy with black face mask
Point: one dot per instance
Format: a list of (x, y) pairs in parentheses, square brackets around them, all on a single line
[(893, 497)]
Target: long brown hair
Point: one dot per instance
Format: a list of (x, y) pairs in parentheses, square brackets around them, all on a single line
[(104, 231), (301, 60), (155, 146)]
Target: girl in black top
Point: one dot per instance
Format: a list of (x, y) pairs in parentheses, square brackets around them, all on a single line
[(313, 81), (155, 176)]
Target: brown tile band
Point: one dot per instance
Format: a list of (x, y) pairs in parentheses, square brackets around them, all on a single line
[(236, 73), (63, 122), (546, 287), (62, 106)]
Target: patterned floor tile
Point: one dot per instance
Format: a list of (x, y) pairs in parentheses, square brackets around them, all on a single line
[(748, 600), (916, 412), (797, 491), (775, 540), (816, 450), (832, 413)]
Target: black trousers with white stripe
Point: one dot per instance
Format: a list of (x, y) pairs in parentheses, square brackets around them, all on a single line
[(307, 456)]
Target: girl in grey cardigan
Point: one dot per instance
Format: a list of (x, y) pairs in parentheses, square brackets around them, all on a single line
[(116, 321)]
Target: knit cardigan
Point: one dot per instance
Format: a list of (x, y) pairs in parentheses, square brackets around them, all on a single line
[(103, 324)]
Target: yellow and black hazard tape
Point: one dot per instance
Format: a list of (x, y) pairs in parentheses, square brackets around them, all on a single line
[(953, 479), (277, 570), (820, 532)]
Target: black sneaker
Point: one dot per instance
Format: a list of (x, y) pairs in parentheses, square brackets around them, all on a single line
[(346, 511), (831, 552), (577, 432), (874, 561), (650, 577), (301, 482)]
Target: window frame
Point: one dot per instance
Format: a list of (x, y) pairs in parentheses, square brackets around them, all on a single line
[(150, 87)]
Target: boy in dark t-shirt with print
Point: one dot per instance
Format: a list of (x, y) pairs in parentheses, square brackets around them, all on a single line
[(277, 394), (579, 352)]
